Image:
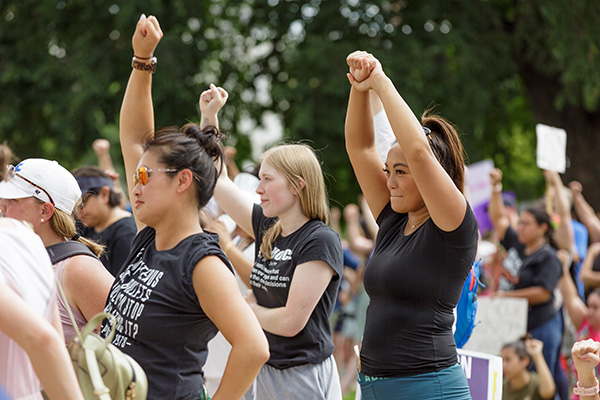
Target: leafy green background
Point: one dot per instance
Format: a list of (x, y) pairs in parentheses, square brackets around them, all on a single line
[(493, 67)]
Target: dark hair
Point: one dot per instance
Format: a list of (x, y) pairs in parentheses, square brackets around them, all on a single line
[(446, 145), (595, 291), (542, 217), (191, 148), (115, 197), (519, 349)]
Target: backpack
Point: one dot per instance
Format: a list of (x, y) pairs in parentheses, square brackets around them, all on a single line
[(466, 309)]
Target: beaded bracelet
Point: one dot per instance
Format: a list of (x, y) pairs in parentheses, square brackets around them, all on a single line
[(586, 391), (143, 66)]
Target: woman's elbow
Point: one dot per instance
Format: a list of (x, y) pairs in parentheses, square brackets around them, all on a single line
[(45, 339), (548, 391), (258, 349), (586, 278)]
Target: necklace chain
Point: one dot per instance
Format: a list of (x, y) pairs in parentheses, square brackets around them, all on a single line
[(413, 225)]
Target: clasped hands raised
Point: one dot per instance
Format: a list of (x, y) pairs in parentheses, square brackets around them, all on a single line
[(365, 70)]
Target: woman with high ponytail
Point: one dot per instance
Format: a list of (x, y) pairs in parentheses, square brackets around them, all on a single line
[(176, 288), (46, 195), (425, 246), (297, 268)]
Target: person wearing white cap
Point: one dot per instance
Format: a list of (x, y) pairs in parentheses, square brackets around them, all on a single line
[(176, 289), (28, 304), (44, 193)]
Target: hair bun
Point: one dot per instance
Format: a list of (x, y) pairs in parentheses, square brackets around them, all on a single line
[(208, 138)]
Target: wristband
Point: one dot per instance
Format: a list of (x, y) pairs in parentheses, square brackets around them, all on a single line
[(586, 391), (497, 187), (143, 66)]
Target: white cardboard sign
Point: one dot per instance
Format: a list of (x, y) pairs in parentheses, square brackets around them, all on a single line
[(478, 182), (551, 148)]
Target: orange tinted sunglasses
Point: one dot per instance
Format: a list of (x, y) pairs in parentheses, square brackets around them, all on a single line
[(142, 174)]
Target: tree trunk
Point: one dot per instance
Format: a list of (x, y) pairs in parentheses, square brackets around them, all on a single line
[(583, 131)]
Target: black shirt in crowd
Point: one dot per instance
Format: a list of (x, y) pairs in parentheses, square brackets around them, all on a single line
[(160, 322), (270, 282), (541, 268), (117, 239), (414, 283)]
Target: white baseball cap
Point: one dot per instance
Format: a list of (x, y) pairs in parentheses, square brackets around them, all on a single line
[(43, 179)]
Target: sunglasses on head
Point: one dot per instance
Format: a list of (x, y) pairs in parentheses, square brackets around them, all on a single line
[(142, 174), (11, 173)]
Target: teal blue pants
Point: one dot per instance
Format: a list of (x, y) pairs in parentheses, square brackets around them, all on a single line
[(447, 384)]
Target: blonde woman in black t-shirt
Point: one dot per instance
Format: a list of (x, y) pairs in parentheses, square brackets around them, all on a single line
[(425, 245), (176, 287), (296, 273)]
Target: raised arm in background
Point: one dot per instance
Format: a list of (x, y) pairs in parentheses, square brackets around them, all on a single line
[(101, 148), (359, 244), (590, 278), (576, 308), (585, 212), (496, 209), (231, 199), (547, 387), (564, 235), (370, 222)]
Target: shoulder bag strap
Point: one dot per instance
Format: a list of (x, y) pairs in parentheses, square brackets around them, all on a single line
[(100, 389), (68, 307), (69, 248)]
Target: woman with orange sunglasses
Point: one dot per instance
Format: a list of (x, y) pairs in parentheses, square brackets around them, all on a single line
[(176, 288)]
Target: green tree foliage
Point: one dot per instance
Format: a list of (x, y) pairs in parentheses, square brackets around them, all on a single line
[(493, 67)]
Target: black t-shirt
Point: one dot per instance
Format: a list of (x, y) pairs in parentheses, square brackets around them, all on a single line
[(159, 319), (541, 268), (117, 239), (270, 282), (414, 282)]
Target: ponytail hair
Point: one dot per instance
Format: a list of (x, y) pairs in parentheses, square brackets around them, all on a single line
[(193, 148), (299, 165), (64, 225), (447, 147)]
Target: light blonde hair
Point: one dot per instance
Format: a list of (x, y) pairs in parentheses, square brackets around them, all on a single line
[(298, 163)]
